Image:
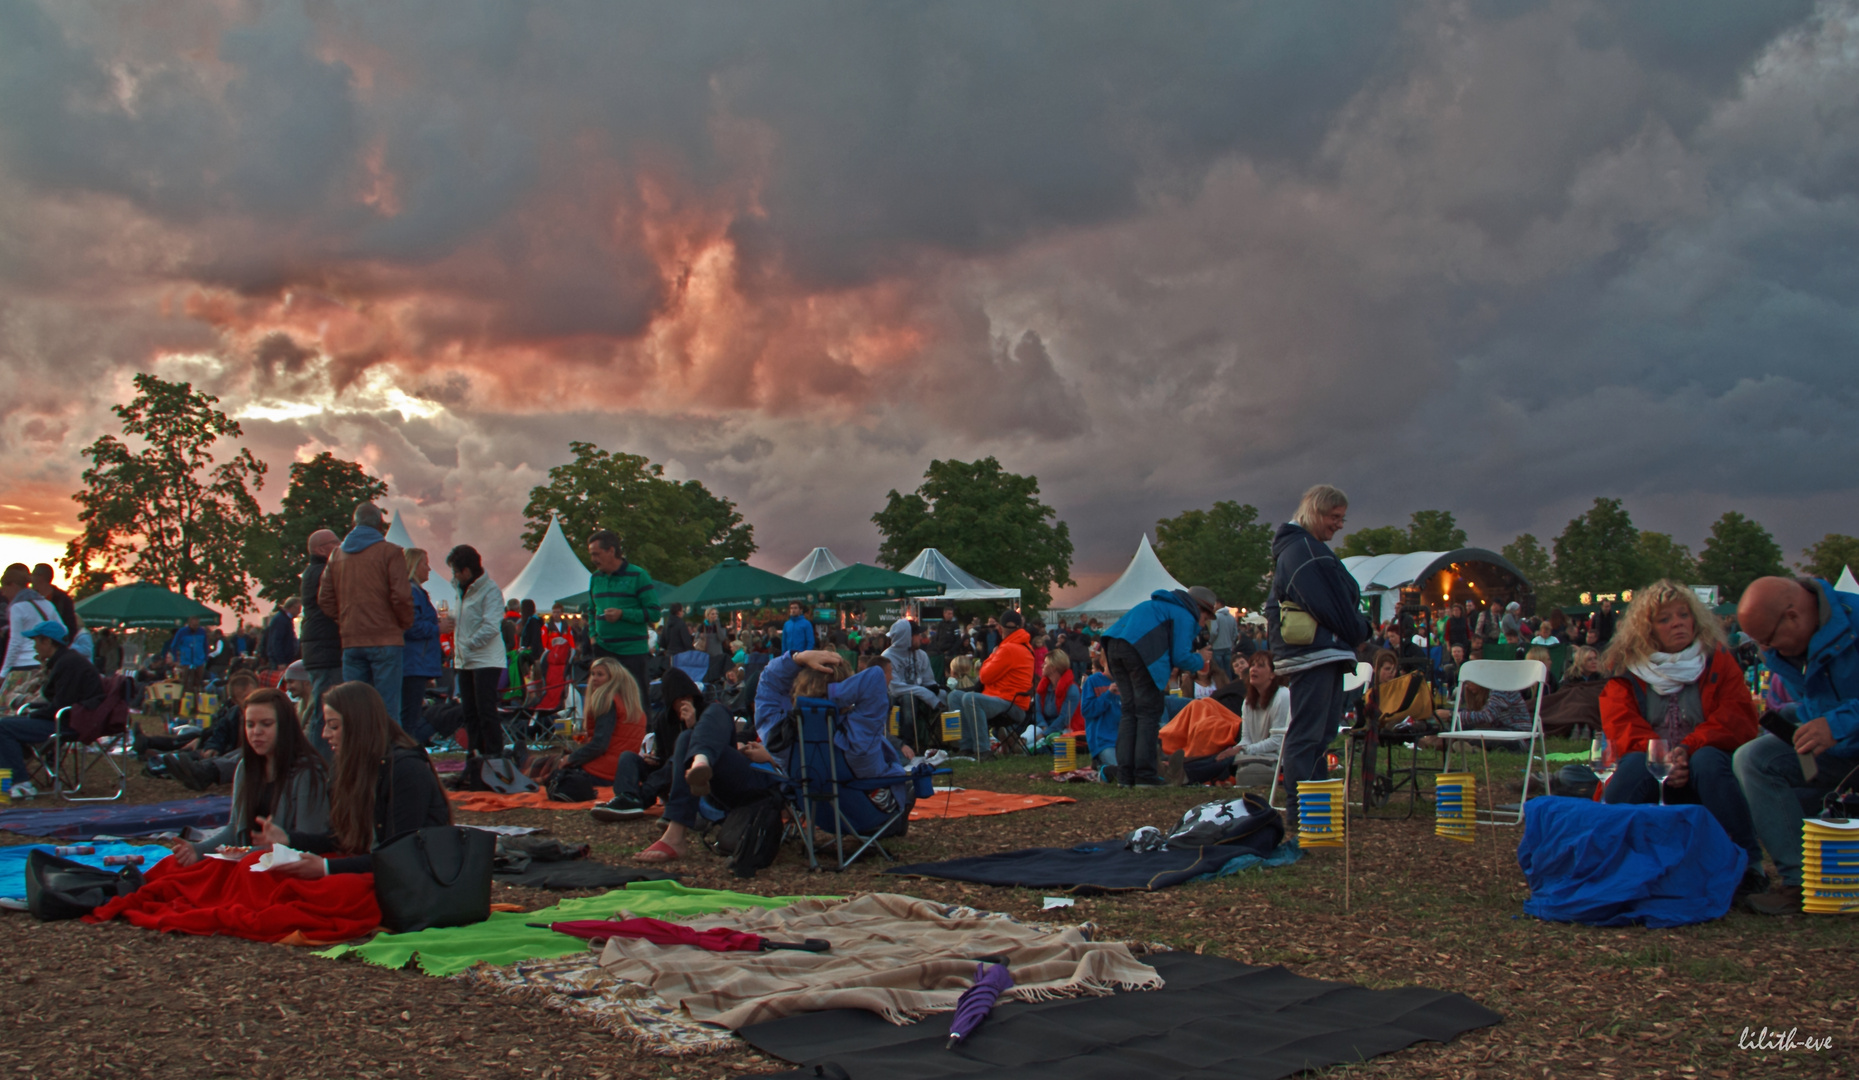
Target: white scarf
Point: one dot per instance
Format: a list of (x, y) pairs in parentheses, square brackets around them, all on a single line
[(1667, 673)]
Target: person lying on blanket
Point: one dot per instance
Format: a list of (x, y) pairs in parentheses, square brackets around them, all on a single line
[(705, 762), (383, 786), (280, 779), (642, 776)]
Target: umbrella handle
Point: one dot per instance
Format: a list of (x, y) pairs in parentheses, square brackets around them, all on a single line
[(809, 945)]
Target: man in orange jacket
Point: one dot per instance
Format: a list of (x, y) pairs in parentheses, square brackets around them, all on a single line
[(1006, 686)]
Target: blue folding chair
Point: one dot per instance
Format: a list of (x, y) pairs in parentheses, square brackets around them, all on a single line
[(826, 797)]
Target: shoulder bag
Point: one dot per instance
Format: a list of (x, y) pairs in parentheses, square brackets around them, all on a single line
[(436, 876)]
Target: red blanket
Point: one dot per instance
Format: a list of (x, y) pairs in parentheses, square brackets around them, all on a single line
[(214, 896)]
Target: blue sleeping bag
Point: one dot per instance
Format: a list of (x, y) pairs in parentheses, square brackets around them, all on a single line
[(1618, 865)]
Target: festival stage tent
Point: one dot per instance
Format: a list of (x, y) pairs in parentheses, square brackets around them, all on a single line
[(958, 584), (554, 571), (1847, 582), (818, 563), (1144, 575), (438, 583), (1467, 575)]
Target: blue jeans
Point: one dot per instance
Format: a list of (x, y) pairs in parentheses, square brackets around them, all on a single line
[(1770, 773), (978, 712), (17, 733), (1711, 783), (379, 667), (1223, 662), (321, 679)]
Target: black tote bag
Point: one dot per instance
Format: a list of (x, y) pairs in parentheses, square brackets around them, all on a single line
[(436, 876), (59, 888)]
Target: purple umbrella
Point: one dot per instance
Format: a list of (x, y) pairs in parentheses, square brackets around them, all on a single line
[(991, 980)]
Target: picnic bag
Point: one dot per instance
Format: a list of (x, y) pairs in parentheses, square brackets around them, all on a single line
[(570, 785), (751, 835), (436, 876), (58, 888)]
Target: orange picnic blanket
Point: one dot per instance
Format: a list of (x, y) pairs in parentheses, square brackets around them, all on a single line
[(961, 804), (490, 802), (1203, 729)]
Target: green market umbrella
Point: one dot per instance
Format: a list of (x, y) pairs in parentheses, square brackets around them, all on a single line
[(733, 584), (862, 581), (142, 604)]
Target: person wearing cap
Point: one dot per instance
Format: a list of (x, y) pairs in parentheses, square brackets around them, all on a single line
[(1152, 639), (70, 679)]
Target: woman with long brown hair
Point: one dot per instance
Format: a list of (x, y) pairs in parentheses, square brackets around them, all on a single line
[(382, 786), (279, 778)]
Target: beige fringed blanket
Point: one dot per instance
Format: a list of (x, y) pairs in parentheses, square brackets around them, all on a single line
[(897, 956)]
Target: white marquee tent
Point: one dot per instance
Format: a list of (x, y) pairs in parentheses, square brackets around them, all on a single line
[(1847, 582), (439, 587), (958, 584), (554, 571), (1144, 575), (818, 563)]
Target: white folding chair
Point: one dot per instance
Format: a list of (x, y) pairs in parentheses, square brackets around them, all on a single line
[(1511, 675), (1352, 682)]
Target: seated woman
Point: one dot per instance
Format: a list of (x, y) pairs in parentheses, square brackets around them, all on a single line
[(1540, 654), (1481, 709), (1672, 678), (279, 779), (1584, 666), (864, 702), (1103, 715), (1056, 699), (382, 786), (642, 776), (613, 722), (1263, 702), (962, 674), (1205, 681)]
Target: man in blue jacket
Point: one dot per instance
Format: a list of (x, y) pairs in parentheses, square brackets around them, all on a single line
[(797, 632), (1809, 633), (1324, 609), (1154, 638)]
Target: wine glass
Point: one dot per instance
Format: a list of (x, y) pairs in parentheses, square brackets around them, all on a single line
[(1659, 764), (1601, 758)]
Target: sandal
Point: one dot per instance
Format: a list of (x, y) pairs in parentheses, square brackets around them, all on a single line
[(659, 852), (697, 778)]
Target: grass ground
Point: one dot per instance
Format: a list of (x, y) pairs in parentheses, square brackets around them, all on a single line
[(89, 1001)]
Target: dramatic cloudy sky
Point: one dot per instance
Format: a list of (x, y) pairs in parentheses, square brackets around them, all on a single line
[(1495, 257)]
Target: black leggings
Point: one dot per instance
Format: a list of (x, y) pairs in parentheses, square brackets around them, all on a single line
[(483, 731)]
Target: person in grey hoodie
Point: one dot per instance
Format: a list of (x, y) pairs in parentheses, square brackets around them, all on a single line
[(913, 680), (1305, 572), (1222, 635)]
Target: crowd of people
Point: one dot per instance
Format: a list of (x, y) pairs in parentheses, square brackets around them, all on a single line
[(328, 709)]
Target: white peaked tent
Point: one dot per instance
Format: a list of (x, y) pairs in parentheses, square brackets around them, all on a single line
[(1847, 582), (958, 584), (439, 588), (554, 571), (1143, 576), (818, 563)]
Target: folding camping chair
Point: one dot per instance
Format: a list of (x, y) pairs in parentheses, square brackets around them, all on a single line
[(87, 739), (1512, 675), (823, 791), (1353, 682)]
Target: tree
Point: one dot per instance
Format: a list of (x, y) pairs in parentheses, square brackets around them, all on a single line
[(1829, 555), (1599, 552), (1663, 557), (1382, 540), (1434, 530), (1738, 552), (168, 513), (1527, 555), (1226, 549), (674, 530), (989, 521), (323, 494)]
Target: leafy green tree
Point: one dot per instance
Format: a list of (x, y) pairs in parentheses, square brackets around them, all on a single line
[(1434, 530), (1663, 557), (1829, 555), (1527, 555), (1738, 552), (323, 494), (1381, 540), (1599, 552), (674, 530), (1228, 549), (989, 521), (170, 512)]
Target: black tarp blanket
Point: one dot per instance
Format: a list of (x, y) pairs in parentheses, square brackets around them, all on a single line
[(1101, 867), (1215, 1018)]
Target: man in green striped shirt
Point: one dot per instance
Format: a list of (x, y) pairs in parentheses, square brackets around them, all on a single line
[(623, 603)]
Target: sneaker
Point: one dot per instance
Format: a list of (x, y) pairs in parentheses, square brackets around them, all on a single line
[(1175, 768), (1153, 782), (620, 808), (1781, 900), (1754, 882), (23, 789)]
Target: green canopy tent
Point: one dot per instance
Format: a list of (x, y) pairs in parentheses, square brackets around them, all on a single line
[(142, 604), (732, 585), (862, 581)]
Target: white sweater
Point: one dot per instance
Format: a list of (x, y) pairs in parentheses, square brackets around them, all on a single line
[(1262, 731), (28, 610), (477, 642)]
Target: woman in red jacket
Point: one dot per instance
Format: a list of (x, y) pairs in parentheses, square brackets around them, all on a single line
[(1672, 678)]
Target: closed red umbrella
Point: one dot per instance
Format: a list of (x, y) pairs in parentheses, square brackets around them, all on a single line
[(660, 932)]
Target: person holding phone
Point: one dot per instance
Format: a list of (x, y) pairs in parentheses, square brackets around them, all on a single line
[(1809, 635)]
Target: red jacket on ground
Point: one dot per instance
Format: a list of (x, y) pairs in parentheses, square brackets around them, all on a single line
[(1729, 712), (1007, 673)]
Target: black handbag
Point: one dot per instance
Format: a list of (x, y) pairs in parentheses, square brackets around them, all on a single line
[(58, 888), (436, 876)]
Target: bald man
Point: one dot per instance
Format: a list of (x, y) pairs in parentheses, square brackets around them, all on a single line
[(1809, 634), (319, 638)]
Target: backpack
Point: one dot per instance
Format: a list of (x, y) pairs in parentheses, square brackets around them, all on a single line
[(570, 785), (751, 835)]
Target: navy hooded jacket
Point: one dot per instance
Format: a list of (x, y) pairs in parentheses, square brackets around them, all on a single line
[(1306, 572)]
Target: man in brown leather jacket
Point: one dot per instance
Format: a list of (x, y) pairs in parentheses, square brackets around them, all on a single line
[(367, 592)]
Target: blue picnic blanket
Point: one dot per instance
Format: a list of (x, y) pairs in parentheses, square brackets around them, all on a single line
[(13, 862), (1620, 865), (117, 819)]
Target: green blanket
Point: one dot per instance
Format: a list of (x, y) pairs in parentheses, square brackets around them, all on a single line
[(506, 937)]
